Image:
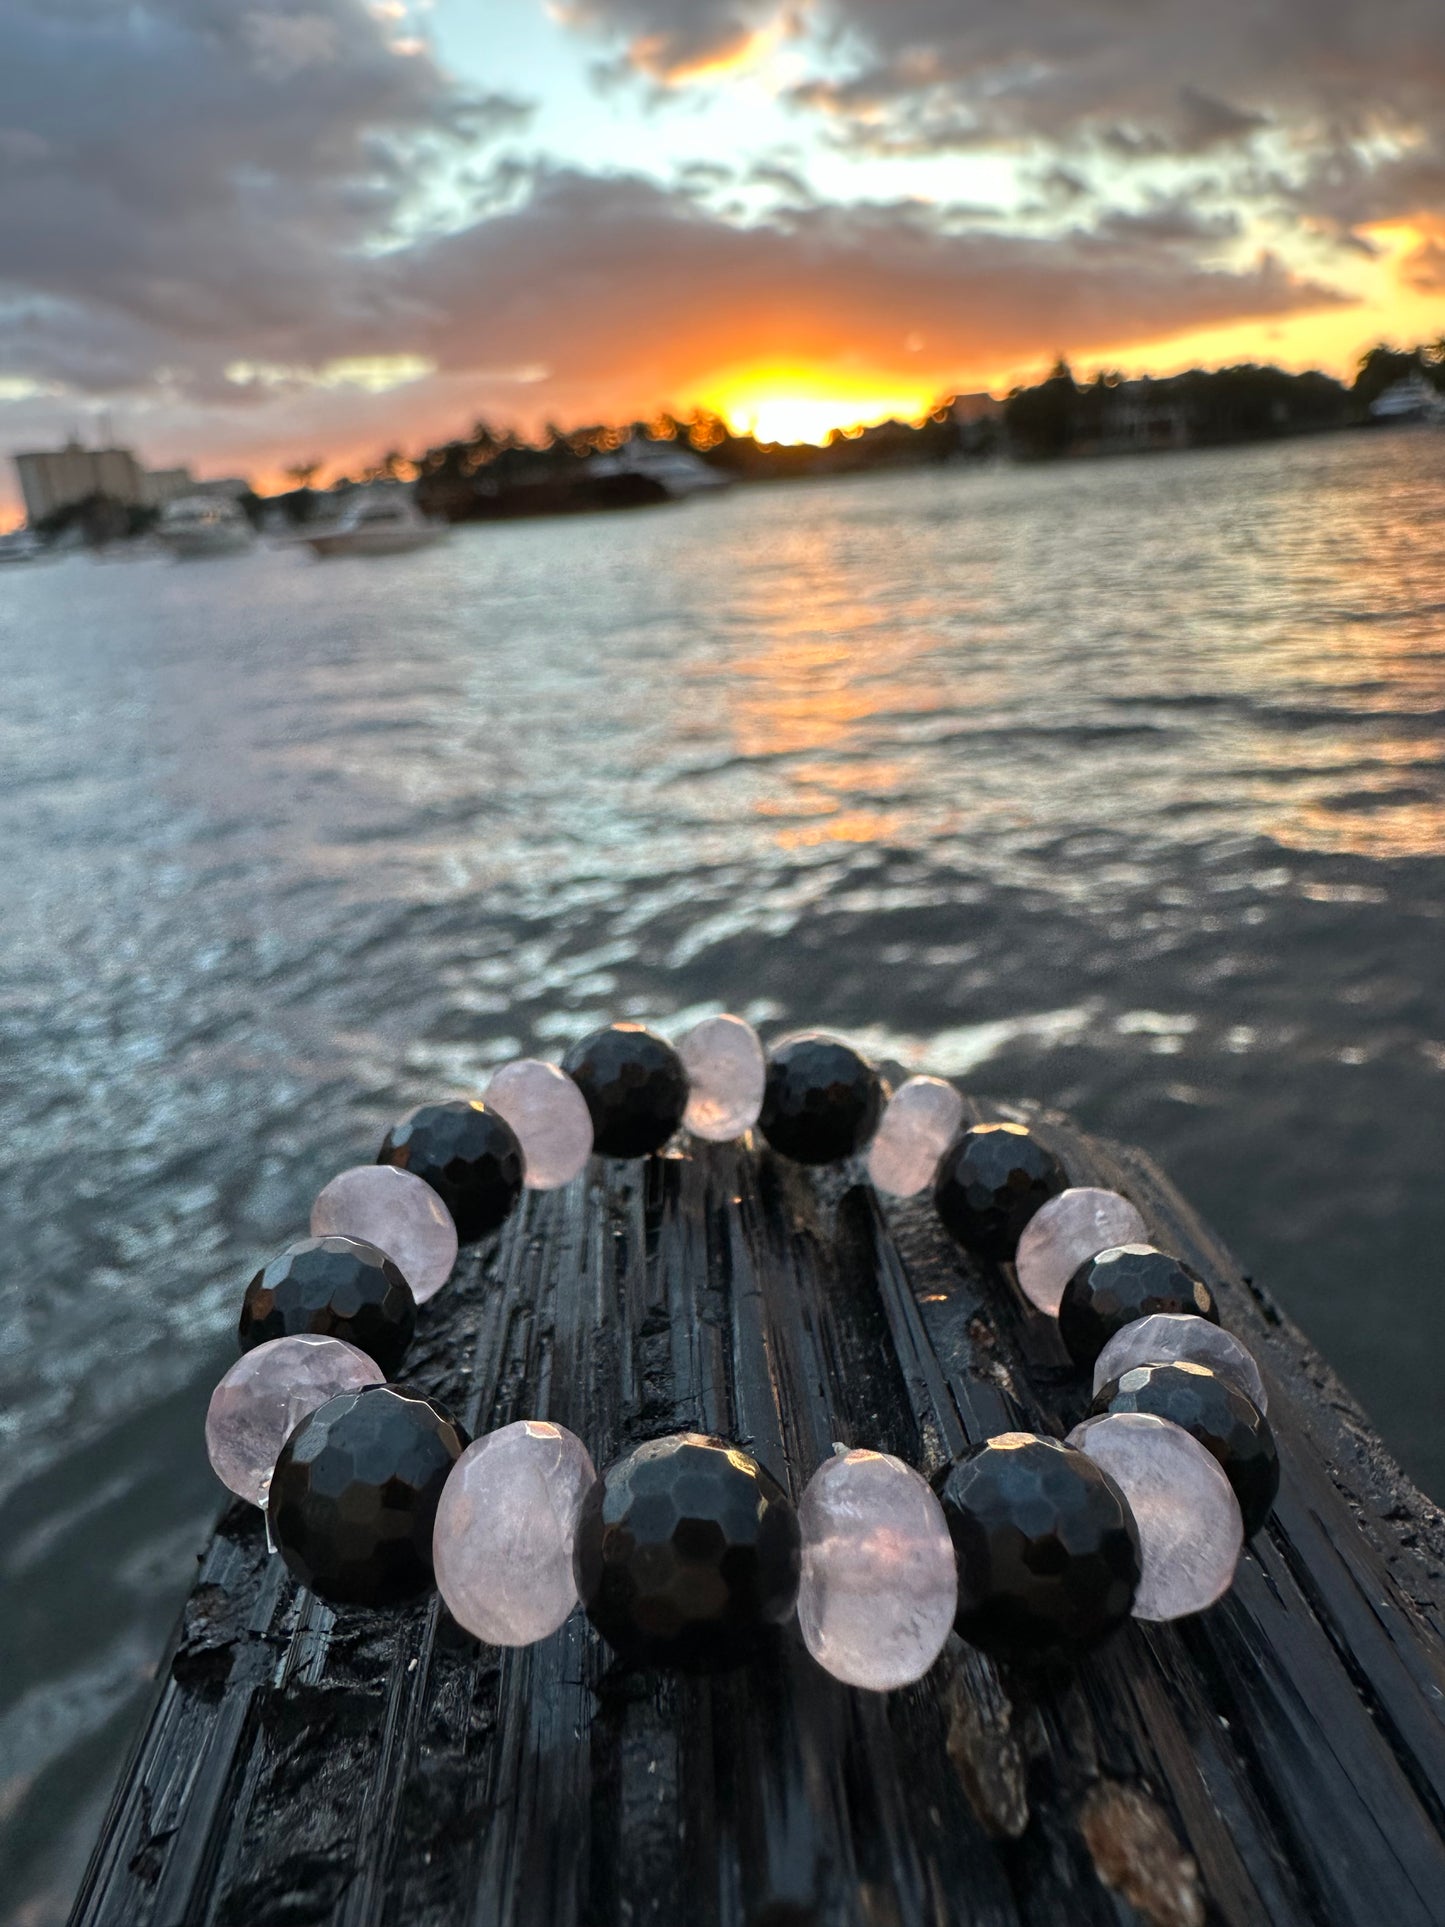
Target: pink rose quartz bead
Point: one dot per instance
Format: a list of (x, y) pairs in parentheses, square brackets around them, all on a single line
[(264, 1397), (1175, 1338), (502, 1546), (726, 1071), (920, 1122), (1190, 1529), (1065, 1233), (550, 1117), (879, 1582), (399, 1214)]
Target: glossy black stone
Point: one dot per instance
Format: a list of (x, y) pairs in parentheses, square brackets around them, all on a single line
[(991, 1180), (354, 1495), (470, 1157), (1223, 1420), (338, 1288), (1120, 1285), (687, 1555), (1048, 1551), (822, 1101), (635, 1087)]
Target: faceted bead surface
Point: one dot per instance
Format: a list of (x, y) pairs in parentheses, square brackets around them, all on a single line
[(1170, 1338), (920, 1121), (505, 1529), (1212, 1411), (1111, 1290), (991, 1180), (635, 1088), (879, 1585), (336, 1288), (399, 1214), (470, 1157), (1065, 1233), (687, 1554), (726, 1069), (1190, 1531), (550, 1117), (354, 1496), (821, 1100), (1048, 1555), (265, 1396)]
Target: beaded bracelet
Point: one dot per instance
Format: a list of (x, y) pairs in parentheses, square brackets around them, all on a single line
[(686, 1552)]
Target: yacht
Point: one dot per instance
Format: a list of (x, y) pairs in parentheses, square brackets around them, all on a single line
[(21, 545), (198, 525), (377, 523), (677, 469), (1411, 399)]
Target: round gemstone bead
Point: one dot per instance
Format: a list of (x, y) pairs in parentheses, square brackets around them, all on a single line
[(470, 1157), (1065, 1233), (1172, 1338), (726, 1069), (550, 1117), (265, 1396), (687, 1554), (1190, 1531), (336, 1288), (634, 1086), (505, 1528), (354, 1496), (1048, 1555), (919, 1123), (879, 1586), (1117, 1286), (1219, 1417), (991, 1180), (399, 1214), (821, 1101)]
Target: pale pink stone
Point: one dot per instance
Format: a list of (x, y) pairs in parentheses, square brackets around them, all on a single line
[(264, 1397), (1172, 1338), (879, 1582), (726, 1071), (399, 1214), (919, 1123), (1190, 1530), (502, 1546), (1065, 1233), (550, 1117)]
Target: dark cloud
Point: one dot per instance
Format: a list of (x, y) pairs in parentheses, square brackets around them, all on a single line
[(671, 39)]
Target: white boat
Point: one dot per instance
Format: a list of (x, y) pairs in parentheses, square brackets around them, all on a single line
[(377, 523), (199, 525), (21, 545), (1411, 399), (676, 468)]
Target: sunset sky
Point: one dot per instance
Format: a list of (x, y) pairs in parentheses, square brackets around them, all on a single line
[(245, 232)]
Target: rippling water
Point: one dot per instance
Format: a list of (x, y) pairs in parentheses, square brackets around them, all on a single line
[(1118, 785)]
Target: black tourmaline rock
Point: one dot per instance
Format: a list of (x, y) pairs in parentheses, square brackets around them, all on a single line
[(1048, 1552), (337, 1288), (822, 1101), (1223, 1420), (635, 1087), (991, 1180), (687, 1555), (470, 1157), (354, 1494), (1120, 1285)]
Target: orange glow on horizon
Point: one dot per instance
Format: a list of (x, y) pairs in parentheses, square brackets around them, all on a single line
[(796, 404)]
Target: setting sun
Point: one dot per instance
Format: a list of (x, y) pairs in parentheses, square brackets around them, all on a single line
[(796, 405)]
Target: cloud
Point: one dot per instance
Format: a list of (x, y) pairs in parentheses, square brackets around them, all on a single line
[(678, 40)]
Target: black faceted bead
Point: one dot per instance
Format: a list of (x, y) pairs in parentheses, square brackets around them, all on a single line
[(687, 1555), (337, 1288), (470, 1157), (1120, 1285), (354, 1495), (635, 1087), (1223, 1420), (822, 1101), (1048, 1551), (991, 1180)]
